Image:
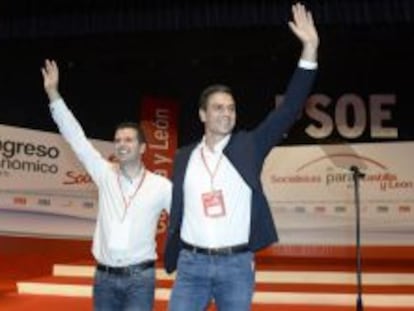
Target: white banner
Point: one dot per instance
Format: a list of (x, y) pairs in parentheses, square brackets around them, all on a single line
[(312, 195), (44, 190)]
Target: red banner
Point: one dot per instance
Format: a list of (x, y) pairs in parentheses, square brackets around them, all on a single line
[(159, 121)]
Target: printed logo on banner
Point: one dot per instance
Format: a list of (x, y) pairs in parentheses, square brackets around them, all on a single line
[(386, 181), (81, 177), (404, 209), (334, 156), (20, 200), (300, 209), (44, 202), (340, 209), (88, 204), (382, 209), (320, 209)]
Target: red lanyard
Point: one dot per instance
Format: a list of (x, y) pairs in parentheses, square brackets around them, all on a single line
[(212, 174), (127, 203)]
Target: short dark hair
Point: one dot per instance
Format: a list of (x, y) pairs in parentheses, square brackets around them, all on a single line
[(133, 125), (215, 88)]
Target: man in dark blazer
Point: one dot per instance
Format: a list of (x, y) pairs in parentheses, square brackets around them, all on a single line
[(219, 215)]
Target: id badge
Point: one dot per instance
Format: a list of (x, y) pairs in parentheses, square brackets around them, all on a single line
[(213, 203)]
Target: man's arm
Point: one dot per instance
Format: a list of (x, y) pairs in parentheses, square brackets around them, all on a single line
[(68, 126), (271, 130)]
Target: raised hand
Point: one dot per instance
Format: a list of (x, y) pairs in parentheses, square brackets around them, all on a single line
[(50, 74), (304, 29)]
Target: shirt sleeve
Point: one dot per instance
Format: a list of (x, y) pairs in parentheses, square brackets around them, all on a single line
[(73, 133), (306, 64)]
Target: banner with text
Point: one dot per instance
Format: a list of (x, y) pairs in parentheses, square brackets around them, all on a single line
[(312, 195), (159, 117), (44, 189)]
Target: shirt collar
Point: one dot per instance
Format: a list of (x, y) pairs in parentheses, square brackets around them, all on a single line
[(219, 146)]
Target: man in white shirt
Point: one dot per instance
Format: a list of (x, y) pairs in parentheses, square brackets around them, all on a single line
[(219, 215), (131, 199)]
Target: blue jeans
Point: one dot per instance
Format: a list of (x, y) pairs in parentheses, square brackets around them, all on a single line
[(113, 292), (229, 280)]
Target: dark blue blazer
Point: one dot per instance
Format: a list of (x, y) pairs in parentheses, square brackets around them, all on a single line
[(246, 150)]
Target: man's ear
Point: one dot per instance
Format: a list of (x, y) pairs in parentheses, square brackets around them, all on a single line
[(202, 115), (142, 148)]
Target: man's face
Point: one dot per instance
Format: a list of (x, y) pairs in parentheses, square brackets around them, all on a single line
[(219, 117), (127, 147)]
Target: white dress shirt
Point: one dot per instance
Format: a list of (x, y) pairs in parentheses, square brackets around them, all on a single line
[(233, 227), (128, 213)]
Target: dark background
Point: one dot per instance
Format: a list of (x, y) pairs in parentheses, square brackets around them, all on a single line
[(111, 54)]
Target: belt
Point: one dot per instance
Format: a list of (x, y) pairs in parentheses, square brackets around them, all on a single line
[(127, 270), (222, 251)]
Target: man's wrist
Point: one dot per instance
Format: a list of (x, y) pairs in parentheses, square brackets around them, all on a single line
[(53, 95)]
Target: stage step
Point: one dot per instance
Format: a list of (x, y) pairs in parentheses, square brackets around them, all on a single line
[(323, 288), (276, 277)]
